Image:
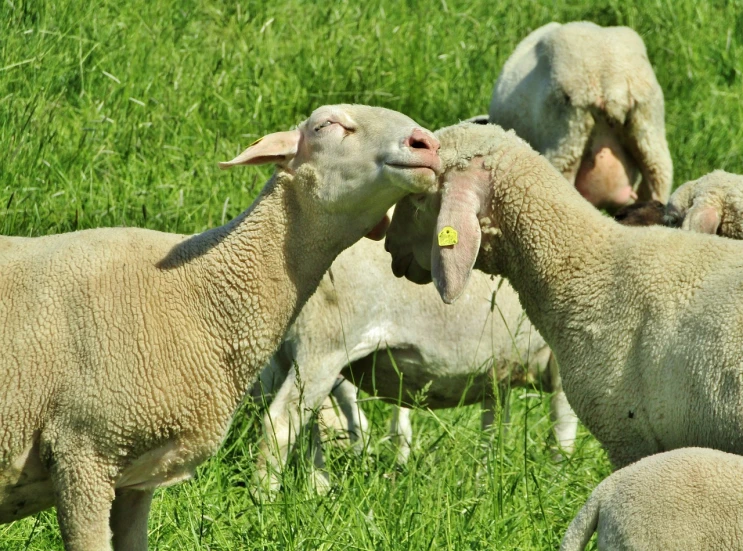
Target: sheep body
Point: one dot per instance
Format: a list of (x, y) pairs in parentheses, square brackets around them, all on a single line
[(126, 351), (587, 98), (689, 498), (646, 323), (361, 318)]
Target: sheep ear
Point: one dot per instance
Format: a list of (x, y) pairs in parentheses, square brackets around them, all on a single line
[(378, 232), (457, 239), (702, 219), (279, 148)]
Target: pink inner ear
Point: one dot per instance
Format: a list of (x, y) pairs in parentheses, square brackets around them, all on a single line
[(702, 220), (279, 148), (378, 232), (460, 205)]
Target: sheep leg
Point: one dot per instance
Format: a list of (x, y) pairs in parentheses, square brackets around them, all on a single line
[(84, 495), (401, 432), (129, 519), (487, 417), (319, 478), (288, 413), (564, 420), (358, 426)]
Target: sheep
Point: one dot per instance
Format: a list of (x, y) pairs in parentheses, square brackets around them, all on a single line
[(645, 323), (586, 98), (361, 317), (126, 351), (689, 498), (711, 204)]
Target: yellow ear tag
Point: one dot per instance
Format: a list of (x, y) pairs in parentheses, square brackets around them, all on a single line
[(448, 236), (256, 141)]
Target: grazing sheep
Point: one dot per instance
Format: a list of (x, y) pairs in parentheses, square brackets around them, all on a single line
[(712, 204), (126, 351), (587, 98), (361, 318), (646, 323), (690, 498)]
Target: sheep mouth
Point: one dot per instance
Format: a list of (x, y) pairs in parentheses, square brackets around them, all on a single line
[(422, 169)]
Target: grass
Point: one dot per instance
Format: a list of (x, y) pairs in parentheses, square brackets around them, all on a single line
[(115, 113)]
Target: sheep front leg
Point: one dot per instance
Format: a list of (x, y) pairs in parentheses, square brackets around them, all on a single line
[(129, 519), (83, 495), (401, 432), (564, 420), (289, 412), (358, 426)]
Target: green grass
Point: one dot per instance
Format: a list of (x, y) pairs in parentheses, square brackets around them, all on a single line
[(115, 113)]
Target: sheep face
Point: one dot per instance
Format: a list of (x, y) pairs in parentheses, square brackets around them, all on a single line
[(454, 219), (712, 204), (363, 157)]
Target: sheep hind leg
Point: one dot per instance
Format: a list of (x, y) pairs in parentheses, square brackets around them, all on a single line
[(84, 495), (129, 519), (487, 416), (344, 393), (401, 431)]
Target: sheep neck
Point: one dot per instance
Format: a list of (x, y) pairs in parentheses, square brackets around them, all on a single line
[(554, 244), (260, 270)]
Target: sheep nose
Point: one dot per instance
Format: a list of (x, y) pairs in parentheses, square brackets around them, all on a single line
[(421, 140)]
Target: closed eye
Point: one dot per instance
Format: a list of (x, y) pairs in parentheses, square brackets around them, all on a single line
[(323, 125)]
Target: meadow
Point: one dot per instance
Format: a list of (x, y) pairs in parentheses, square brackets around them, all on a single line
[(116, 114)]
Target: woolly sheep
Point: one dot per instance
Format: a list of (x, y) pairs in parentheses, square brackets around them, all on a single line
[(712, 204), (448, 355), (690, 498), (646, 323), (587, 98), (126, 351)]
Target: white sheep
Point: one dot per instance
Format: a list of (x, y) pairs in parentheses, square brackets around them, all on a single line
[(361, 318), (646, 323), (711, 204), (586, 97), (689, 498), (126, 351)]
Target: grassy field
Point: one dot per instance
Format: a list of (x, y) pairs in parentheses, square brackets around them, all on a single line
[(116, 113)]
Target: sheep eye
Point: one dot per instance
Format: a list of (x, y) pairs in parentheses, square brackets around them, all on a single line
[(323, 125)]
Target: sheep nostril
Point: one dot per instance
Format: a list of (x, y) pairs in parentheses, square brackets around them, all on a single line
[(420, 140)]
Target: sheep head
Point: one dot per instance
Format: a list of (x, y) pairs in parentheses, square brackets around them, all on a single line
[(365, 159)]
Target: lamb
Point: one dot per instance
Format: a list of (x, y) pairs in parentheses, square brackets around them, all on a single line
[(126, 351), (646, 324), (586, 98), (688, 498), (361, 316)]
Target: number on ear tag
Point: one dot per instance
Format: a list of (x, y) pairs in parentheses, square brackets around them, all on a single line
[(448, 236)]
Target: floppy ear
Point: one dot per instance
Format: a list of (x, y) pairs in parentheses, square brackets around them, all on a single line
[(457, 238), (279, 148), (702, 219)]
